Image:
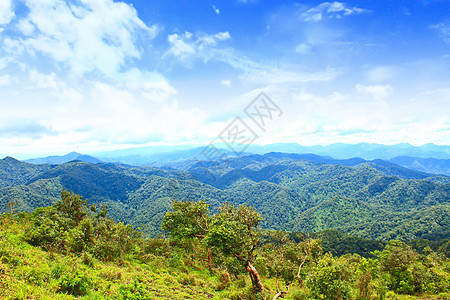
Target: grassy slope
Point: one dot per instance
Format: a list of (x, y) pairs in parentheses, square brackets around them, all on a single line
[(28, 272)]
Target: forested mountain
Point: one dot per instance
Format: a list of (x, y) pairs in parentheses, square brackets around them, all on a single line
[(307, 193), (430, 165), (14, 172)]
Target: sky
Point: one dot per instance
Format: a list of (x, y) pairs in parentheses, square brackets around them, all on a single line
[(97, 75)]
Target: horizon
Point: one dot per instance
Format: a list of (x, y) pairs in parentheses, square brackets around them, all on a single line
[(94, 77), (98, 154)]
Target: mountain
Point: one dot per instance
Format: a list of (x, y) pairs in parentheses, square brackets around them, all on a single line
[(302, 192), (430, 165), (367, 151), (387, 167), (14, 172), (56, 160), (363, 150), (160, 155), (167, 155)]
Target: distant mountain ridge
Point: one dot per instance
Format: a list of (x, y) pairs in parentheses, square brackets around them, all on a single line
[(57, 160), (368, 151), (428, 158), (429, 165)]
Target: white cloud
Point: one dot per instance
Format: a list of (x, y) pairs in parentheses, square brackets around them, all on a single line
[(26, 27), (330, 10), (151, 85), (90, 36), (5, 80), (260, 73), (303, 48), (187, 46), (222, 36), (444, 31), (216, 10), (377, 91), (12, 47), (6, 12), (381, 73), (226, 82), (42, 81), (180, 46)]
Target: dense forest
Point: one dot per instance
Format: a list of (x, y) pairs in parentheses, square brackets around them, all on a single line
[(74, 250), (304, 193)]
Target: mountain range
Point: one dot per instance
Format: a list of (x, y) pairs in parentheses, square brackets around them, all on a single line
[(428, 158), (302, 192)]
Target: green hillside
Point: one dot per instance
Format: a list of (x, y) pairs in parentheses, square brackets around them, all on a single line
[(290, 192)]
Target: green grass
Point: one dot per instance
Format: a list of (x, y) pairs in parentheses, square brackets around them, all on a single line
[(28, 272)]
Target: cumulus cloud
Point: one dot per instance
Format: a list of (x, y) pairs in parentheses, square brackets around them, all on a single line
[(6, 12), (88, 36), (330, 10), (180, 45)]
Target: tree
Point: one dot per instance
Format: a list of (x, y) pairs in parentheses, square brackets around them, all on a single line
[(188, 220), (286, 259), (12, 206), (233, 232), (72, 206), (330, 279), (395, 260)]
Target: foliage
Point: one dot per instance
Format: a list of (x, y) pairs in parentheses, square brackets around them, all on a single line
[(99, 258), (331, 279), (70, 226)]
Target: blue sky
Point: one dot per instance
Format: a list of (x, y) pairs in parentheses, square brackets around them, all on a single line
[(93, 75)]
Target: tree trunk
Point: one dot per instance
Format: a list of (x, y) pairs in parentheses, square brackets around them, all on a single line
[(299, 270), (280, 294), (256, 280)]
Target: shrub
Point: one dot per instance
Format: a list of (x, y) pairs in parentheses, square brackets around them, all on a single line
[(74, 284), (134, 291), (224, 281)]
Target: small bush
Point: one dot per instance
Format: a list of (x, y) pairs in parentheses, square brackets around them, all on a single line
[(224, 281), (134, 291), (187, 279), (111, 275), (75, 284)]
